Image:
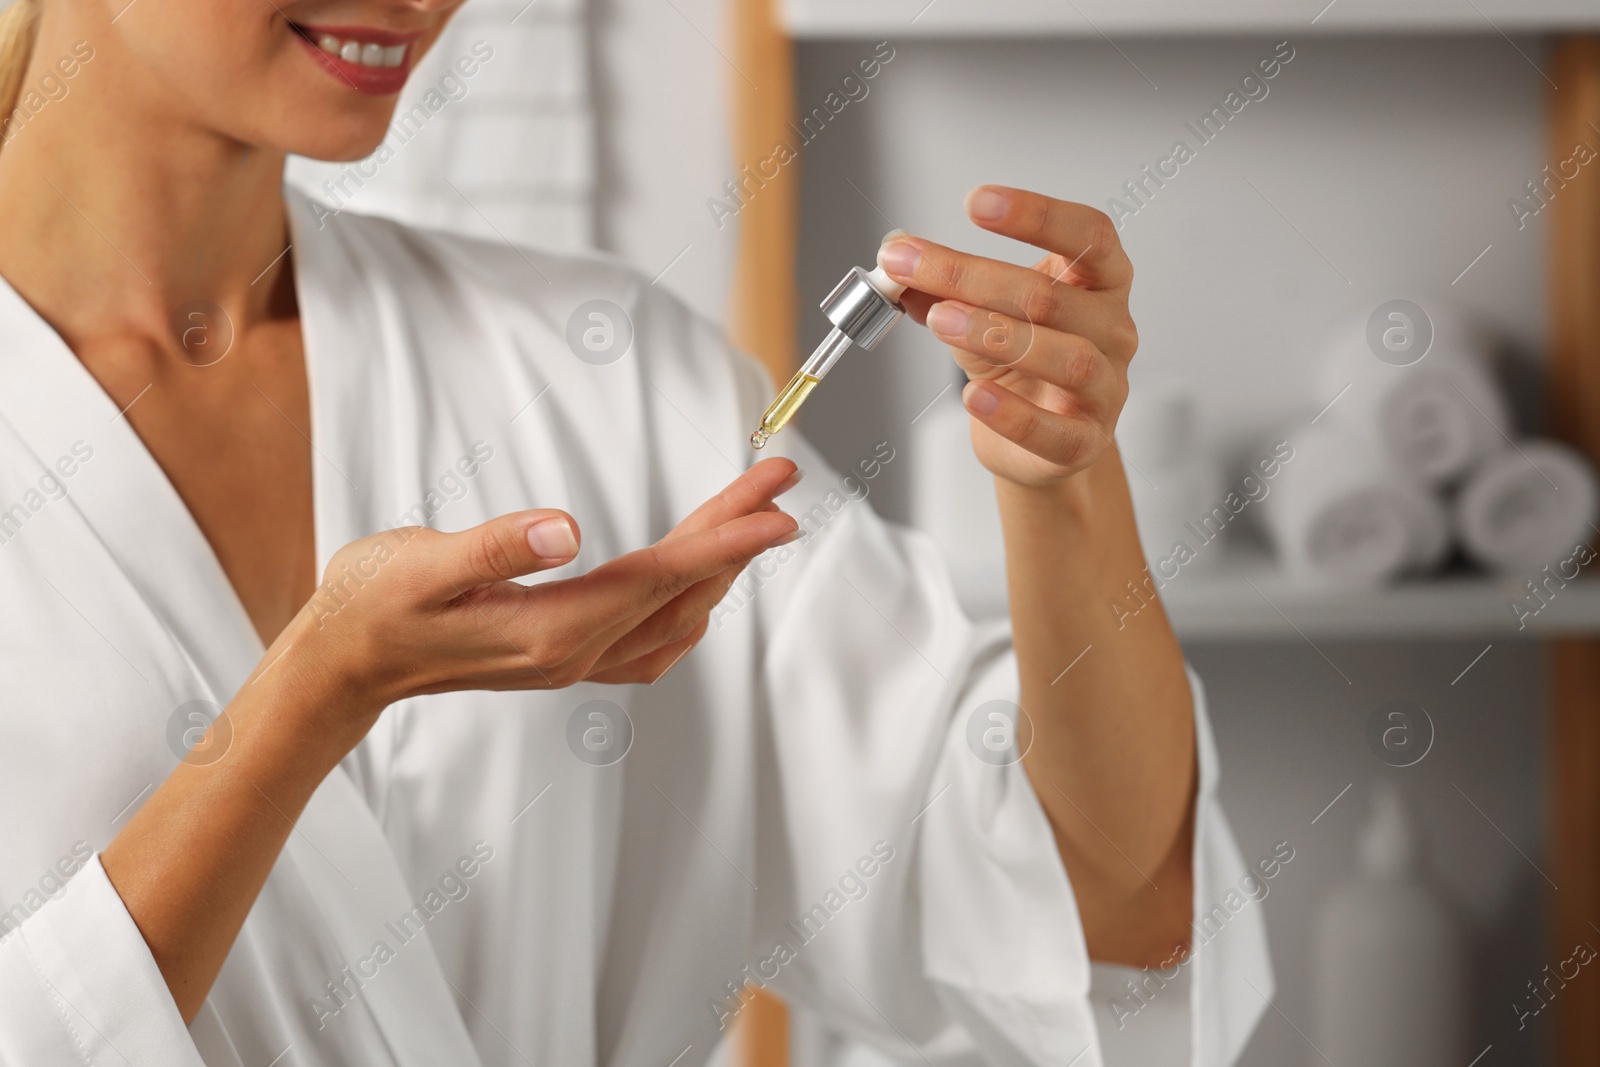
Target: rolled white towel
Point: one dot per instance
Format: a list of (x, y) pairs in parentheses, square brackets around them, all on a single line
[(1340, 514), (1431, 530), (1527, 506), (1438, 417)]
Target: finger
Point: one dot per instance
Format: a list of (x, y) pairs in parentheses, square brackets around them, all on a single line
[(614, 597), (1071, 442), (751, 491), (632, 642), (988, 344), (504, 548), (651, 667), (669, 623), (1021, 292), (1085, 240), (576, 620)]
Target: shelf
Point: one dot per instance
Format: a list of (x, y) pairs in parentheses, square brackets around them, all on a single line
[(904, 19), (1255, 601), (1250, 599)]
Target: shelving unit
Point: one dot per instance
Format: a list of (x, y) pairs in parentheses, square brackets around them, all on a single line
[(1246, 598)]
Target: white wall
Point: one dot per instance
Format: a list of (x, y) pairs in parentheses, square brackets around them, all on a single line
[(662, 78)]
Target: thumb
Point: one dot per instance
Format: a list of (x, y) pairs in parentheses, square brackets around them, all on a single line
[(511, 545)]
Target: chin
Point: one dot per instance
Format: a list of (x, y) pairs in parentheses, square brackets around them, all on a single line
[(341, 140)]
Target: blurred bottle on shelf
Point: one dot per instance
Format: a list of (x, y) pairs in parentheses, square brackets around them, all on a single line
[(1176, 483), (1389, 958)]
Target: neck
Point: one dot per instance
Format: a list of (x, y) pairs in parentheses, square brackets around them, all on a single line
[(116, 207)]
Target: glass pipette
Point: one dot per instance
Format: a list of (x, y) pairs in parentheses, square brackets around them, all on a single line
[(862, 308)]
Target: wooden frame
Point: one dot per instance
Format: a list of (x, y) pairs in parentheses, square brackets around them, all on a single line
[(763, 302), (1574, 391)]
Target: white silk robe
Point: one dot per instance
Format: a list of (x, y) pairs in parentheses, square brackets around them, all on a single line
[(798, 802)]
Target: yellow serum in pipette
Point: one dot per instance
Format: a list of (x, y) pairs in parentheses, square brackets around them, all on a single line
[(783, 408)]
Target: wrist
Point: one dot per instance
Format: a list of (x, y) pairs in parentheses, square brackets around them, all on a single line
[(1076, 499), (309, 682)]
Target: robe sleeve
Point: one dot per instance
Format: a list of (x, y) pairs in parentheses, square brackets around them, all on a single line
[(79, 988), (911, 892)]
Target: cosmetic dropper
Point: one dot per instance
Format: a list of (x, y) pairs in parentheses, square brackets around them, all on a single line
[(862, 308)]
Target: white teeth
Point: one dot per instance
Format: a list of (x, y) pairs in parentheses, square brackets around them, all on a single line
[(368, 55)]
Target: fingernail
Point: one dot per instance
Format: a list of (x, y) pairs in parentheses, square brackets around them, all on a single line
[(949, 320), (789, 482), (787, 539), (891, 235), (552, 539), (979, 400), (900, 258), (986, 205)]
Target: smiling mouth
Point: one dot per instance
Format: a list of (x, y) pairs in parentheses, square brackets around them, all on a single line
[(366, 53), (371, 61)]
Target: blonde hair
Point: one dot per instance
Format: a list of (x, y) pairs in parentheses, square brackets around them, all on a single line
[(18, 24)]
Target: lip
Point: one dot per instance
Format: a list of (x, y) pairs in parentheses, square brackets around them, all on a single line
[(371, 81)]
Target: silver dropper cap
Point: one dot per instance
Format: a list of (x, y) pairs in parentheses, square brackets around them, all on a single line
[(860, 311)]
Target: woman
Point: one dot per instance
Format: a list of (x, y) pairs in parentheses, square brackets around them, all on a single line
[(424, 830)]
